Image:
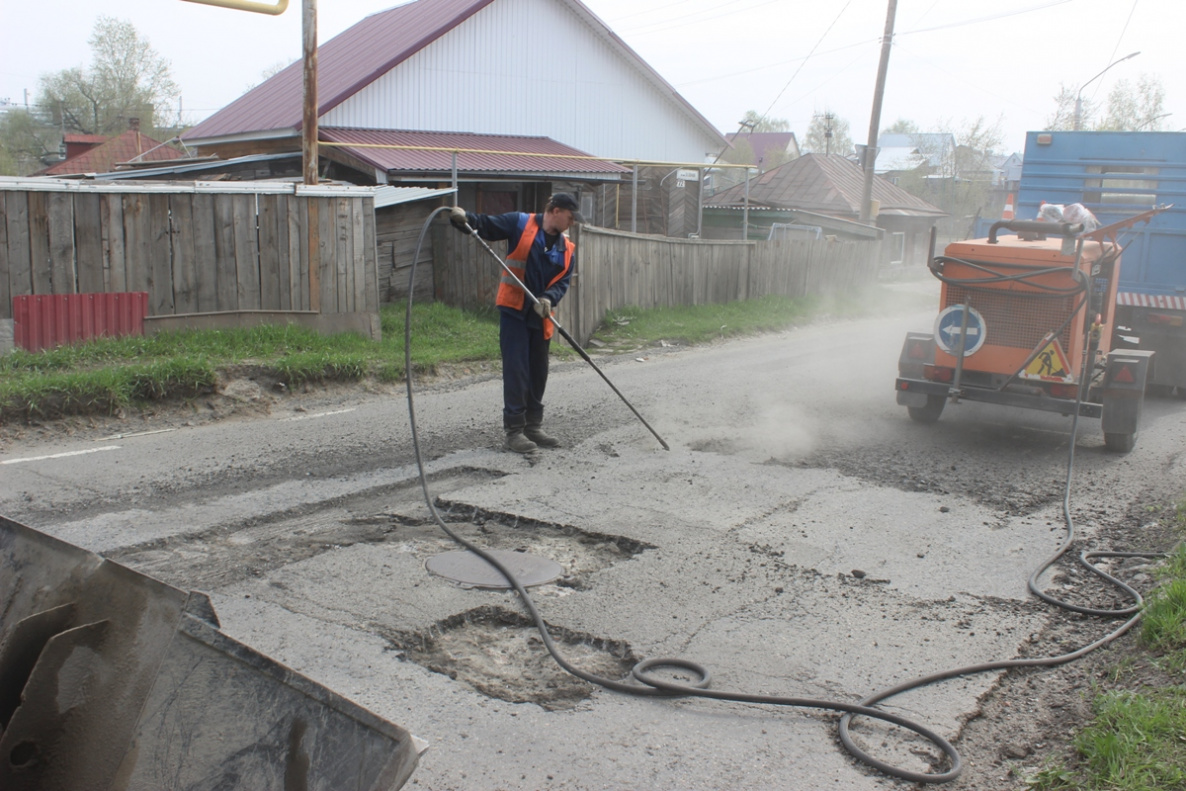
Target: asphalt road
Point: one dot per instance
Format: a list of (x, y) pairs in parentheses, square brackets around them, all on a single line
[(802, 537)]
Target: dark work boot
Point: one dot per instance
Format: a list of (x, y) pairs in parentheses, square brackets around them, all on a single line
[(536, 434), (516, 440)]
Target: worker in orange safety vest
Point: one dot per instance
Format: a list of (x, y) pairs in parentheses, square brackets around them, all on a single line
[(542, 257)]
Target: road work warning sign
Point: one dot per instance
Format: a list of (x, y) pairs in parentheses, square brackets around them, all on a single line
[(1050, 365)]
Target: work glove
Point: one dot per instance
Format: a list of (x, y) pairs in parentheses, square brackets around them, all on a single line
[(544, 307), (458, 218)]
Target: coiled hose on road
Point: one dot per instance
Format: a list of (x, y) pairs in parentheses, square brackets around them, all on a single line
[(646, 683)]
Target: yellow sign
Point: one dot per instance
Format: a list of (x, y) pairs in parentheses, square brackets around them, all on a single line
[(1050, 365)]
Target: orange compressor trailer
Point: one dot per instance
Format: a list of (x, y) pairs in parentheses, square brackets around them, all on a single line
[(1025, 321)]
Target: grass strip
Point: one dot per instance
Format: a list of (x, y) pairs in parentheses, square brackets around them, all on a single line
[(103, 390), (1135, 742), (108, 374)]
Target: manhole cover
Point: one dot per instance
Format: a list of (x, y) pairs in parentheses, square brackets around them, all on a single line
[(471, 571)]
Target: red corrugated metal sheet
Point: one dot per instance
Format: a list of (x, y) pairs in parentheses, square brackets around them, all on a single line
[(345, 64), (43, 321), (557, 159)]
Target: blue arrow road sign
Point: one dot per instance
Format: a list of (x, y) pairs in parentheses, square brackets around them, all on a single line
[(949, 324)]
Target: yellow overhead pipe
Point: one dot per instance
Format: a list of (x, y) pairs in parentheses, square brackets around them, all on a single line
[(247, 5)]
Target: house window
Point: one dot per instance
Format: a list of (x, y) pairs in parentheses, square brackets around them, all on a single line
[(897, 247)]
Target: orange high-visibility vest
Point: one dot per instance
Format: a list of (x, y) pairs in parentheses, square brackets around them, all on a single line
[(509, 293)]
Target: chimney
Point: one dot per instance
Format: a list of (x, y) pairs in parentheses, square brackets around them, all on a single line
[(134, 126), (80, 144)]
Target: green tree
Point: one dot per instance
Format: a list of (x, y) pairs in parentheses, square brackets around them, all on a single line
[(1129, 107), (901, 127), (761, 123), (828, 133), (741, 152), (1135, 107), (1064, 109), (25, 143), (126, 79)]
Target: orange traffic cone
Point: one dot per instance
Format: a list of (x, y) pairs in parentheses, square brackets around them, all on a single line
[(1007, 214)]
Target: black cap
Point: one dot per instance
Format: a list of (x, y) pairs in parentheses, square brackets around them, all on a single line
[(565, 200)]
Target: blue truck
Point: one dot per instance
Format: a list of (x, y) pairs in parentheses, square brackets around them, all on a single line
[(1117, 175)]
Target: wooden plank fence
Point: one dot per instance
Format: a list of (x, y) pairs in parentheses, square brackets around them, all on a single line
[(201, 248), (616, 269)]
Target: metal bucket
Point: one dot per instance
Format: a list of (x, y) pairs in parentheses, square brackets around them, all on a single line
[(110, 679)]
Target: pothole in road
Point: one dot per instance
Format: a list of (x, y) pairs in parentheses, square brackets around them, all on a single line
[(226, 554), (580, 552), (500, 654)]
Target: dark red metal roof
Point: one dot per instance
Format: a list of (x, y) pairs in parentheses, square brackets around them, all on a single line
[(514, 154), (122, 148), (829, 184), (345, 64)]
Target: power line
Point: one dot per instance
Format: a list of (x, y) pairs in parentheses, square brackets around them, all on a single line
[(809, 54), (777, 64), (864, 42), (991, 18), (1119, 39), (944, 73)]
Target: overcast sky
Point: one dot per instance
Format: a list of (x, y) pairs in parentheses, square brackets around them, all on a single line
[(952, 61)]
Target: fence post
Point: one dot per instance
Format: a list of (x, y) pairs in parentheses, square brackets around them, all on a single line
[(745, 211), (634, 202)]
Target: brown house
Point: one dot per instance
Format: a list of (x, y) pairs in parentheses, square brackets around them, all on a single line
[(822, 193), (98, 154)]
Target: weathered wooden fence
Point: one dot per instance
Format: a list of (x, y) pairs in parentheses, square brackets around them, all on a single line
[(616, 269), (196, 248)]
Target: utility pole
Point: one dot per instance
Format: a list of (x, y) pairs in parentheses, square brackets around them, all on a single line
[(828, 118), (309, 127), (870, 155)]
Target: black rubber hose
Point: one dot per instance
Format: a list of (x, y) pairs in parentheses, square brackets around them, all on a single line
[(647, 684), (1133, 613), (994, 277)]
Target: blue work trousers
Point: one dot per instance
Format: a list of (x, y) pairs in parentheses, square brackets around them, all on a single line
[(524, 366)]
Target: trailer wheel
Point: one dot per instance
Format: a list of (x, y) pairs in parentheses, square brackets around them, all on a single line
[(1119, 443), (929, 413)]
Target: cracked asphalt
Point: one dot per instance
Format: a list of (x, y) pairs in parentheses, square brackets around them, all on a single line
[(802, 537)]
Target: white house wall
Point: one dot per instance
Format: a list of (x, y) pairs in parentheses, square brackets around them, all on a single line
[(530, 67)]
